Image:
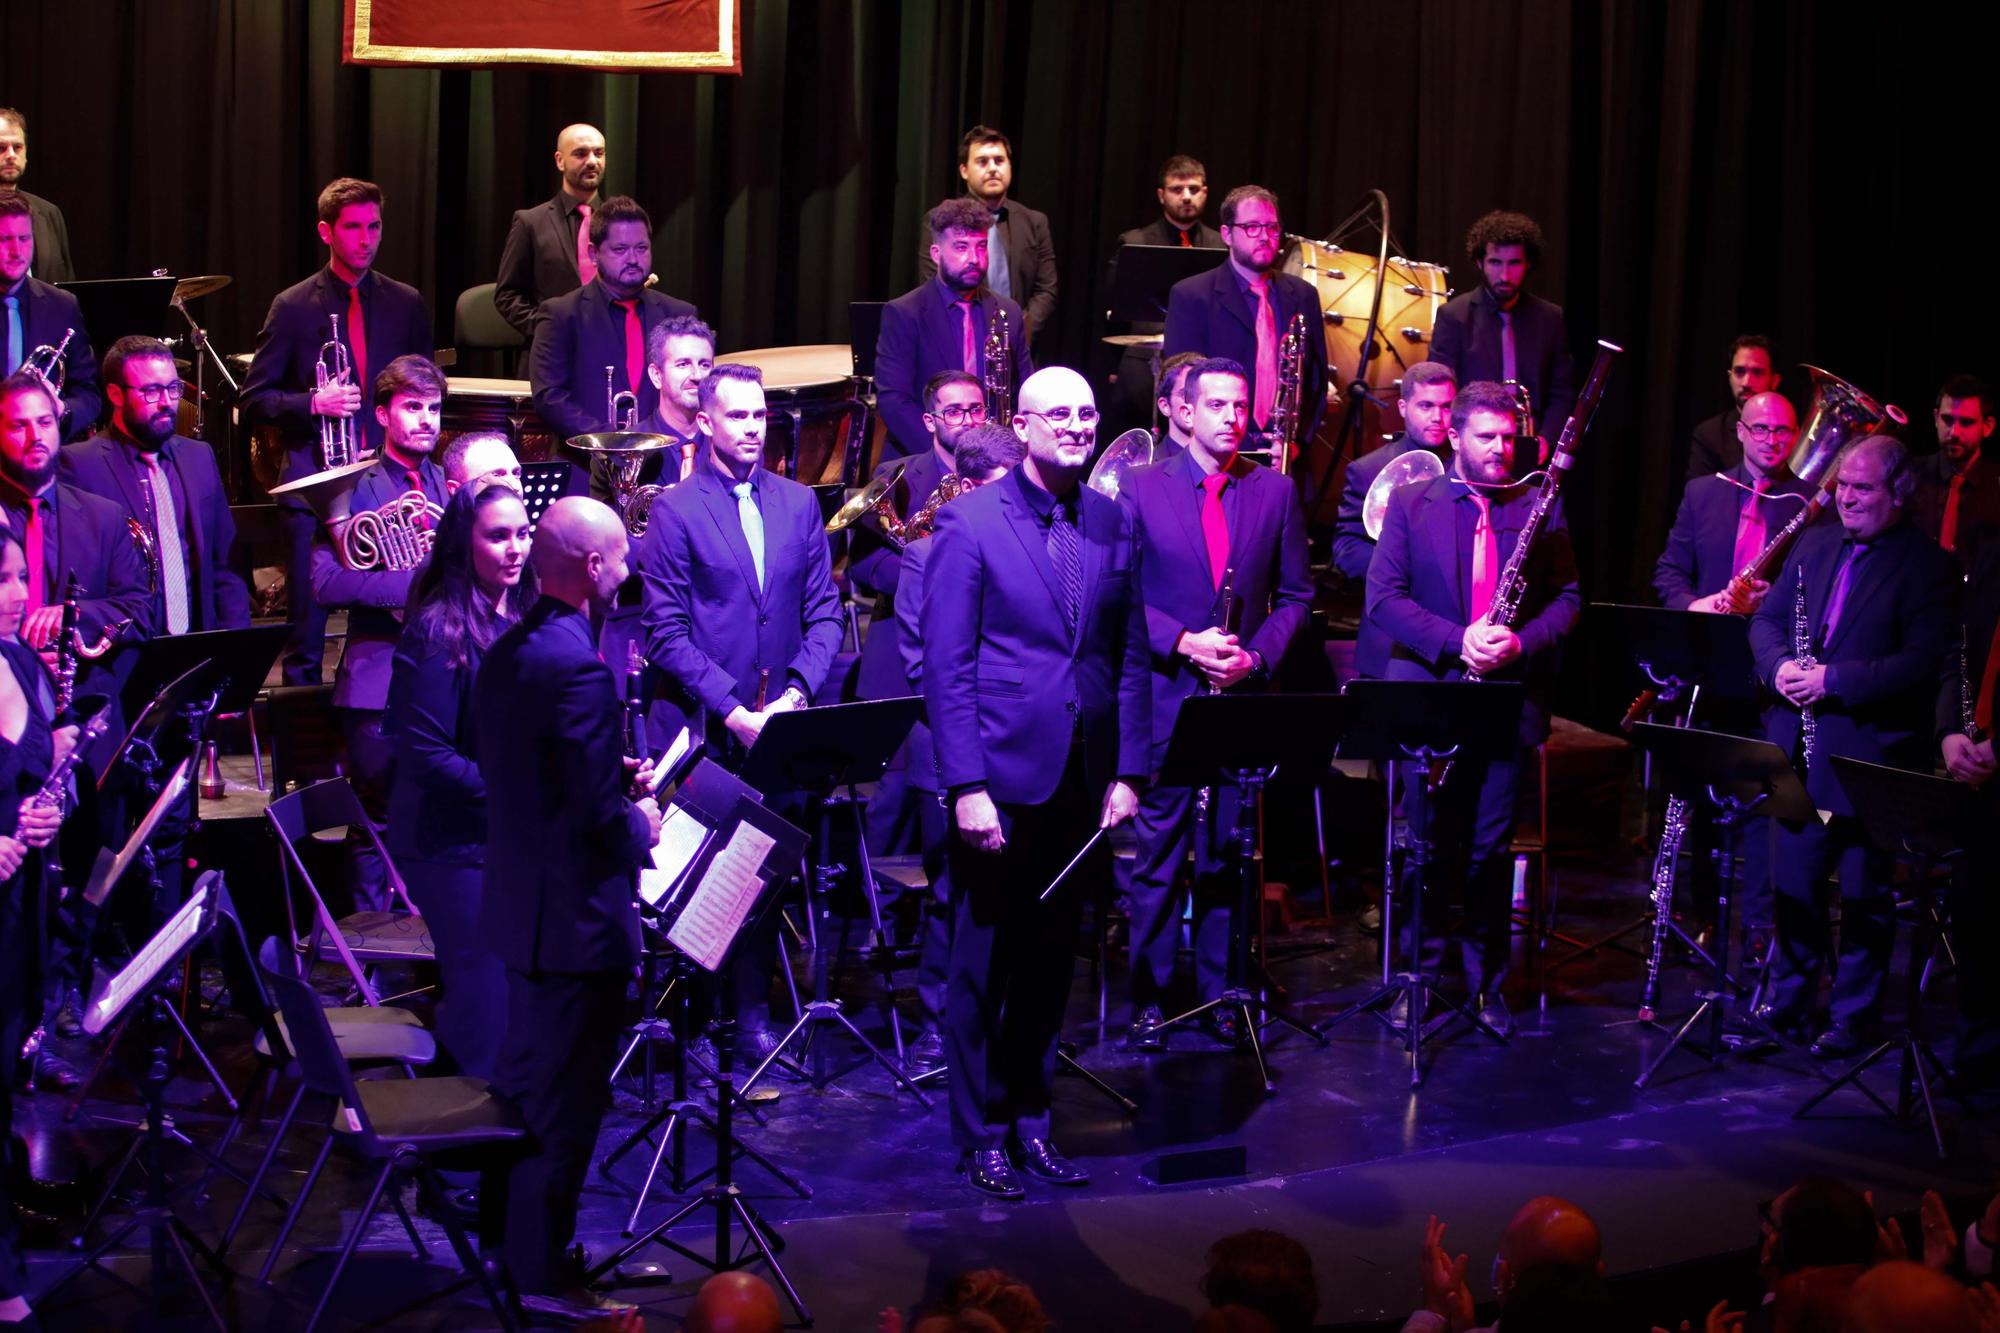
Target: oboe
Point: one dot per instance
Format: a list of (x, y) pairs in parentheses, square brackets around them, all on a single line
[(1802, 654), (1666, 865)]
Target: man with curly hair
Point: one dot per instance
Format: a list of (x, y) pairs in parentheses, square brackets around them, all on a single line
[(1499, 331)]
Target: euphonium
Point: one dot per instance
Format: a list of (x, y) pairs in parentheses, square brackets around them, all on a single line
[(335, 367), (48, 366), (999, 381), (1283, 427)]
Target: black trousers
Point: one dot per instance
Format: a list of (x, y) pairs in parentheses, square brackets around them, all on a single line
[(1807, 856), (934, 948), (555, 1065), (1470, 823), (472, 1011), (1167, 826), (305, 651), (371, 767), (1011, 959)]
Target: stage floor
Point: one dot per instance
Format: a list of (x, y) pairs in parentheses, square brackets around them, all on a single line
[(1345, 1156)]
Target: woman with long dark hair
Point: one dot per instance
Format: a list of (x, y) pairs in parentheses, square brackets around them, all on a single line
[(476, 584), (30, 744)]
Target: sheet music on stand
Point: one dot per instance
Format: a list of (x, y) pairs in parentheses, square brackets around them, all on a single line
[(542, 484), (110, 869), (182, 929), (720, 851), (718, 905)]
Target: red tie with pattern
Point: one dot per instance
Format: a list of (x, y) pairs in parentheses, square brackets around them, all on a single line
[(1948, 530), (635, 345), (1214, 530), (1485, 559), (1267, 353), (357, 341), (971, 349), (1750, 526), (586, 267)]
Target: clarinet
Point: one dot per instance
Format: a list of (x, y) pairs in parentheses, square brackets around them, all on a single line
[(1968, 713), (1803, 655), (635, 703), (51, 795), (1203, 796), (1666, 864)]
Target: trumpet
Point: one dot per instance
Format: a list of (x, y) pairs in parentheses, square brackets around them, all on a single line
[(621, 406), (335, 367), (999, 363), (48, 366)]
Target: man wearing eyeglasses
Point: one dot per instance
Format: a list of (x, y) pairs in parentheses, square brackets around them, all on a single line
[(941, 325), (1035, 682), (1726, 519), (1242, 310)]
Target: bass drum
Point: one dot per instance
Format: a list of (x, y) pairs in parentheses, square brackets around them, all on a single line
[(818, 424), (1412, 294)]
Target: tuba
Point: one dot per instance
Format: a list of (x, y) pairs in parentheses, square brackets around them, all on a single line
[(337, 446), (394, 538), (1407, 469), (617, 457), (999, 366), (48, 366)]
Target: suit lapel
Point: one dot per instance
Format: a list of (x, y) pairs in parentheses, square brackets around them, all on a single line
[(1093, 527), (729, 523), (554, 211), (1230, 297), (1028, 532), (1185, 503)]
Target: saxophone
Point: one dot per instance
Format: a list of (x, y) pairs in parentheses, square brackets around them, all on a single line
[(920, 522), (999, 365), (1666, 864), (1803, 655)]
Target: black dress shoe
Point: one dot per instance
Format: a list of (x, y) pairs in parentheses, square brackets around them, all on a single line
[(1039, 1158), (577, 1306), (69, 1019), (1147, 1031), (1493, 1013), (988, 1171), (1785, 1022), (1839, 1042), (1225, 1025), (52, 1071), (926, 1052)]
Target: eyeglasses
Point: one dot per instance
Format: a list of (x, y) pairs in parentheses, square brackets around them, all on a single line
[(1771, 432), (154, 393), (1255, 228), (1059, 418), (957, 412)]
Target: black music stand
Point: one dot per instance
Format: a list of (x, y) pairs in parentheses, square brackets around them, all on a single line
[(728, 885), (242, 659), (1143, 278), (114, 307), (1929, 820), (1244, 740), (1682, 654), (145, 980), (1417, 723), (1739, 776), (812, 751), (542, 484)]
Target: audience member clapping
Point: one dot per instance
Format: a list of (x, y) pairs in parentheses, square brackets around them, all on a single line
[(1266, 1272)]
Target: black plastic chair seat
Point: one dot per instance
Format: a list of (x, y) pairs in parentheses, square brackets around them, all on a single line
[(900, 873), (362, 1036), (432, 1114), (380, 935)]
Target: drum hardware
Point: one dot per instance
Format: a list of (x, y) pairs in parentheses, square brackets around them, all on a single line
[(1411, 333), (395, 537), (189, 289), (625, 453), (336, 434)]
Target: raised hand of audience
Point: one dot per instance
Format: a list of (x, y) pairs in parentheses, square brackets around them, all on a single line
[(1445, 1291)]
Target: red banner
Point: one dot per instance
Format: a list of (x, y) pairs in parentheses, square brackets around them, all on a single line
[(622, 36)]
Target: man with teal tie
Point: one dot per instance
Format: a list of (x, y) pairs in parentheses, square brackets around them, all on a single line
[(34, 314)]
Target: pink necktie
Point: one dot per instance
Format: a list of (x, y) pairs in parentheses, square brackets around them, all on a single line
[(972, 366), (635, 344), (1485, 558), (1948, 532), (1214, 530), (586, 267), (1509, 366), (1267, 355), (357, 342), (1750, 527)]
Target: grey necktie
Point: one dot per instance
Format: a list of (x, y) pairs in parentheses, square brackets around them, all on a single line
[(753, 526)]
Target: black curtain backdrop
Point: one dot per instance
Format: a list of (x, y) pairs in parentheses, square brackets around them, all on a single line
[(1699, 166)]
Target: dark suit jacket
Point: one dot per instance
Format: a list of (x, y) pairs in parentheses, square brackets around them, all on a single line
[(1883, 660), (1420, 591), (52, 261), (284, 369), (374, 599), (1031, 263), (1978, 503), (1353, 548), (919, 751), (1700, 555), (1006, 681), (921, 335), (1467, 338), (563, 845), (437, 799), (1210, 313), (1980, 613), (537, 262), (45, 313), (105, 466), (874, 564), (708, 628), (576, 336), (1272, 573), (1713, 446)]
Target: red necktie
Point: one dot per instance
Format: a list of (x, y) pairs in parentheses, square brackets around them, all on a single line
[(357, 341), (1186, 244), (635, 345), (1948, 532), (965, 309), (1982, 712), (38, 593), (1267, 354), (586, 267), (1485, 558), (1214, 530), (1750, 527)]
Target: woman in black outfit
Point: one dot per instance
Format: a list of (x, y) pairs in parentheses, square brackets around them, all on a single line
[(475, 586), (28, 750)]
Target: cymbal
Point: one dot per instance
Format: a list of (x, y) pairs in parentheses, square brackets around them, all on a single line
[(866, 498), (189, 288), (618, 443), (1136, 339)]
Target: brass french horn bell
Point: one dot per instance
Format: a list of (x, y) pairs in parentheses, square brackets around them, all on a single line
[(866, 498)]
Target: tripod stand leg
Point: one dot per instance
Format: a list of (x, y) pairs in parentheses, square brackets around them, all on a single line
[(228, 1099), (895, 1070), (1256, 1045), (763, 1248), (1066, 1061), (1853, 1077), (1679, 1038), (782, 1176), (667, 1132), (173, 1238)]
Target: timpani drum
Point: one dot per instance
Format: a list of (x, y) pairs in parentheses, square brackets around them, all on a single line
[(1412, 294), (506, 406), (818, 427)]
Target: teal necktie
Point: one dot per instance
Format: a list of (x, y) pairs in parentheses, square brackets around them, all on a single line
[(13, 348), (753, 527)]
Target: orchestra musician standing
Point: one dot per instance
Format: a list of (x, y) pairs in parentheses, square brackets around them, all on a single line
[(1715, 445), (379, 320), (1227, 587), (1880, 605), (1958, 489), (35, 314), (547, 251), (1021, 258), (1035, 683), (1183, 194), (1170, 400), (52, 261), (1502, 331), (1430, 587)]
